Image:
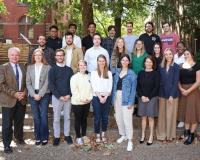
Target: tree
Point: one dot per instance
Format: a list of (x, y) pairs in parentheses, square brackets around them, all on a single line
[(3, 9)]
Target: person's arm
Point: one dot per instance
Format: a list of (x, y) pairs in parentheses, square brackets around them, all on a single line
[(44, 88), (74, 88), (133, 86), (107, 57), (29, 82), (156, 85), (110, 83), (196, 84), (51, 83), (139, 90), (63, 42), (175, 82), (70, 76)]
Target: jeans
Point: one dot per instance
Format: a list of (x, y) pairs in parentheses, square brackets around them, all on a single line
[(101, 112), (40, 116), (80, 114)]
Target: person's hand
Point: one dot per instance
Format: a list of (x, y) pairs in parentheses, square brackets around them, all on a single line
[(62, 98), (171, 99), (102, 99), (145, 99), (185, 92), (36, 97), (66, 98), (130, 107), (19, 95)]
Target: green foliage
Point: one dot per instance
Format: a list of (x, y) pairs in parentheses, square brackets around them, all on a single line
[(3, 9), (197, 57)]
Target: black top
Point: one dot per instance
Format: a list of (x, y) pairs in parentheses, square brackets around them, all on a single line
[(188, 76), (54, 43), (119, 83), (87, 42), (148, 84), (158, 61), (59, 80), (149, 41)]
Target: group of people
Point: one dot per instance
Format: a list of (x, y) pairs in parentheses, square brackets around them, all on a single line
[(155, 74)]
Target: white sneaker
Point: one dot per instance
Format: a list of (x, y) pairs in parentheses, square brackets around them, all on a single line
[(79, 141), (130, 146), (180, 124), (121, 139)]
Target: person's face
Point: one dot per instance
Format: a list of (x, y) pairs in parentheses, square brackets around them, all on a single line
[(13, 57), (59, 57), (156, 49), (129, 28), (92, 28), (54, 32), (148, 28), (180, 48), (97, 40), (166, 27), (188, 55), (69, 40), (82, 67), (125, 62), (101, 62), (72, 29), (148, 64), (138, 45), (112, 32), (169, 56), (120, 44), (38, 57), (41, 41)]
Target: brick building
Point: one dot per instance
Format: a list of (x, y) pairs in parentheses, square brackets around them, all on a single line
[(17, 22)]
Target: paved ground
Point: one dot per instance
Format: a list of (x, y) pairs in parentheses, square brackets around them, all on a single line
[(111, 151)]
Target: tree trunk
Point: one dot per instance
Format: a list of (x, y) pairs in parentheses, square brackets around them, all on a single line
[(87, 14), (118, 26)]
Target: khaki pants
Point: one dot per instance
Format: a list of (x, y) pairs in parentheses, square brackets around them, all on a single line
[(124, 117), (166, 129)]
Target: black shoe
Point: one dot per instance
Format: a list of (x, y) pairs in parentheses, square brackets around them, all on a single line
[(148, 143), (37, 143), (56, 141), (8, 150), (45, 142), (190, 139), (20, 142), (186, 133), (68, 139)]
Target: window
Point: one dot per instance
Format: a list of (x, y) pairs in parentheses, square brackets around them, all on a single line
[(26, 27)]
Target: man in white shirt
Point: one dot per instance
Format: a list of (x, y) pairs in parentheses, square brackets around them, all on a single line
[(92, 53), (73, 54), (76, 39), (130, 38)]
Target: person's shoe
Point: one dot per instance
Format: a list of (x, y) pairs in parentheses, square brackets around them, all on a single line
[(186, 133), (190, 139), (79, 141), (130, 146), (20, 142), (56, 141), (37, 143), (121, 139), (45, 142), (68, 139), (98, 138), (86, 140), (180, 124), (149, 143), (142, 140), (8, 150)]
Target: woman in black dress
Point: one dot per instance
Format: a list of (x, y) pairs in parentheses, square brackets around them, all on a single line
[(157, 53), (147, 89)]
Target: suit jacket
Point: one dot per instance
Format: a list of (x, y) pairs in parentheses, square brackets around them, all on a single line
[(43, 83), (77, 54), (8, 85)]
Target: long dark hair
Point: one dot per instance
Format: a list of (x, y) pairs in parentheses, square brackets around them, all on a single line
[(105, 71)]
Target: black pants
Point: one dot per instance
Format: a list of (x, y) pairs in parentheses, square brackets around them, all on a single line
[(81, 113), (9, 115)]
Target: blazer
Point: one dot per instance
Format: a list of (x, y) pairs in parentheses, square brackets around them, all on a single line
[(30, 80), (169, 81), (129, 84), (77, 54), (8, 85)]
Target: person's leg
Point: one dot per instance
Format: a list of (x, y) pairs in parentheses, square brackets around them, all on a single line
[(104, 114), (67, 111), (144, 123), (77, 114), (19, 115), (7, 118), (161, 127), (44, 129), (36, 118), (86, 108), (151, 128)]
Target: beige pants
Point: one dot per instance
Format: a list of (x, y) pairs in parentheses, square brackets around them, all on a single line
[(167, 116), (124, 117)]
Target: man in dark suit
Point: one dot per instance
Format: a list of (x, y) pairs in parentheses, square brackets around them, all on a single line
[(13, 98)]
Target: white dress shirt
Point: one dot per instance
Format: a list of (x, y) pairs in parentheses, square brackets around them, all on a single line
[(68, 56), (91, 57), (38, 68), (20, 74), (76, 41)]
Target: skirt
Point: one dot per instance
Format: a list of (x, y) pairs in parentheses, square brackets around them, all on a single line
[(149, 109), (189, 106)]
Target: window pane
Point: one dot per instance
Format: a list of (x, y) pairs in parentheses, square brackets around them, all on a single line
[(30, 33)]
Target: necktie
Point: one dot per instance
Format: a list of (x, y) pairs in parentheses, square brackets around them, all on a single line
[(17, 76)]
